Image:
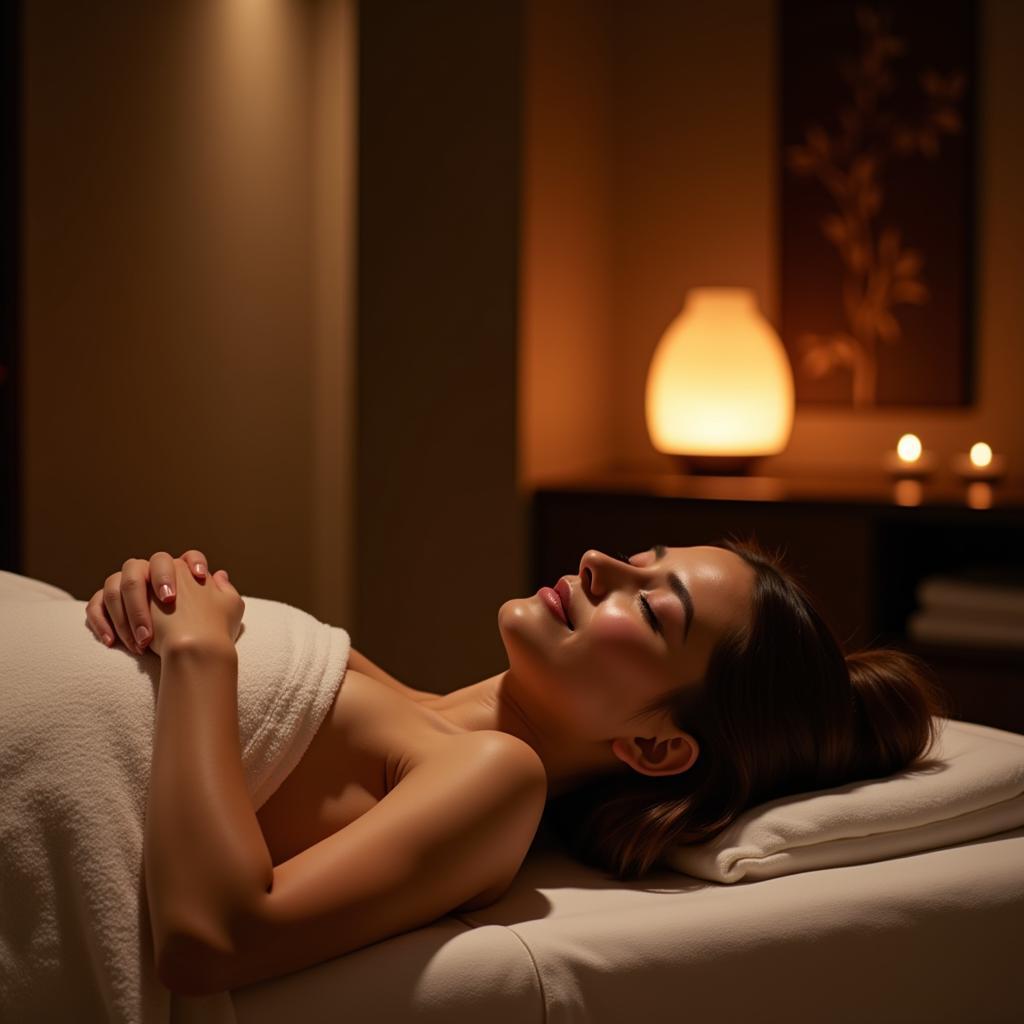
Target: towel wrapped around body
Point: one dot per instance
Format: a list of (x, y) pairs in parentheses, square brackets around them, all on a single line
[(76, 740)]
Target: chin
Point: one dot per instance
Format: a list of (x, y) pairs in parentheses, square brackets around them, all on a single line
[(516, 613), (526, 632)]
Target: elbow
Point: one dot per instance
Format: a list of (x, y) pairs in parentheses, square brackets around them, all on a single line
[(188, 967)]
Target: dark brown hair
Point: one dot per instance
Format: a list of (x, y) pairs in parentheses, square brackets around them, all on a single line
[(780, 710)]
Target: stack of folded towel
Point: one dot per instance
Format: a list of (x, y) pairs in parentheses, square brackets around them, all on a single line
[(979, 608)]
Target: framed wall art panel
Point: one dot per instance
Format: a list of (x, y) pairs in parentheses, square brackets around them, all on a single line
[(877, 206)]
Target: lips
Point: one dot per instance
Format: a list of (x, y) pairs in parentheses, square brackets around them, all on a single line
[(554, 603), (564, 592)]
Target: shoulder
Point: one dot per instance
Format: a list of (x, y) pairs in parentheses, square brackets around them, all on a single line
[(484, 794), (512, 761), (479, 784)]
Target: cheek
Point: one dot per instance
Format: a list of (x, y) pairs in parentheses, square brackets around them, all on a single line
[(618, 637), (612, 661), (608, 649)]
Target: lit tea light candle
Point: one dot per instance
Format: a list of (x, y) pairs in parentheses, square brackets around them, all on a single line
[(909, 448), (980, 463), (980, 454), (909, 460)]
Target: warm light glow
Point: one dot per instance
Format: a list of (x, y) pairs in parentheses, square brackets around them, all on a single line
[(981, 454), (909, 448), (719, 382), (908, 493), (979, 494)]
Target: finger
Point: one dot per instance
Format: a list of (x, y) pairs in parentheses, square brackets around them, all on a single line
[(97, 621), (114, 608), (135, 597), (161, 579), (220, 578), (197, 563), (224, 581)]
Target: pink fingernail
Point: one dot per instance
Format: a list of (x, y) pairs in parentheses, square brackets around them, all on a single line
[(165, 592), (200, 568)]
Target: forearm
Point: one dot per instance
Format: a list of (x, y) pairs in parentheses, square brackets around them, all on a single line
[(205, 856)]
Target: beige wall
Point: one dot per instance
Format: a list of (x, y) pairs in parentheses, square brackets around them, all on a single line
[(333, 166), (182, 342), (189, 361), (692, 202), (568, 393)]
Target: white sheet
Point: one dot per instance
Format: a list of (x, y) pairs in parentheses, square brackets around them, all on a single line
[(929, 937), (75, 749)]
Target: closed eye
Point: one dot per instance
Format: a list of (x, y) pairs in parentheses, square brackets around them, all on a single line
[(649, 614), (645, 606)]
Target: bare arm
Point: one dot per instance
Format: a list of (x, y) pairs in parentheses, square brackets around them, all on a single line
[(458, 825), (204, 852)]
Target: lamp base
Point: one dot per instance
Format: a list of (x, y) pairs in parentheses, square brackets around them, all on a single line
[(715, 465)]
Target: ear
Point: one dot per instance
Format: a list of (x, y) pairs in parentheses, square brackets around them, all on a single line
[(653, 755)]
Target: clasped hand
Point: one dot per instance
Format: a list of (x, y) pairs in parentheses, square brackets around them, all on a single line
[(164, 602)]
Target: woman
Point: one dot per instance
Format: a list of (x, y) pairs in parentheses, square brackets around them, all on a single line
[(672, 689)]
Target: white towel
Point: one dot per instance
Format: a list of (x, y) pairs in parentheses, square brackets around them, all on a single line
[(76, 728), (972, 786)]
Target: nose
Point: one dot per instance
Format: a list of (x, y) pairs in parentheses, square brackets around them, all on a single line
[(598, 570)]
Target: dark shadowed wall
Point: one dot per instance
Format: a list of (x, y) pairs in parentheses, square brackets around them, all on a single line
[(439, 518)]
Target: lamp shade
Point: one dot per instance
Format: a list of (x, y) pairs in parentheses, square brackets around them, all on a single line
[(720, 386)]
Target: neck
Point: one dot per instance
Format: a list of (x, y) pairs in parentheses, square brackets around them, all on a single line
[(492, 704)]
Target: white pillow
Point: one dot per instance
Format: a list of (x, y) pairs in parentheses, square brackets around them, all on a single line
[(974, 789)]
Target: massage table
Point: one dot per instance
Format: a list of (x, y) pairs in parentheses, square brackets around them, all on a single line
[(900, 899)]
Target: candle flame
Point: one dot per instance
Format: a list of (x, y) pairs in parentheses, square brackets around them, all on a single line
[(909, 448), (981, 454)]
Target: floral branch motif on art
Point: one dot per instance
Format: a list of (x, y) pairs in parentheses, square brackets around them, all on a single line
[(879, 271)]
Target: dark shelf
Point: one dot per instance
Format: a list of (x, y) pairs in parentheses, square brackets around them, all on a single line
[(876, 491)]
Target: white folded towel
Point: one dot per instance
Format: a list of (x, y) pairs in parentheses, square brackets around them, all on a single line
[(76, 729), (972, 786)]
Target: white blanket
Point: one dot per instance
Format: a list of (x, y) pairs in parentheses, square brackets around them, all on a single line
[(76, 727), (971, 785)]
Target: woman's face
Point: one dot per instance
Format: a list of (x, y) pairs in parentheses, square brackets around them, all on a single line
[(591, 679)]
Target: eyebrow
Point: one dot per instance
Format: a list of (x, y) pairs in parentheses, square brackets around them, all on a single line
[(679, 588)]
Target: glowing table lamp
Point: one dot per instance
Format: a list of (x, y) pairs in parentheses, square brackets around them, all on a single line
[(720, 388)]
